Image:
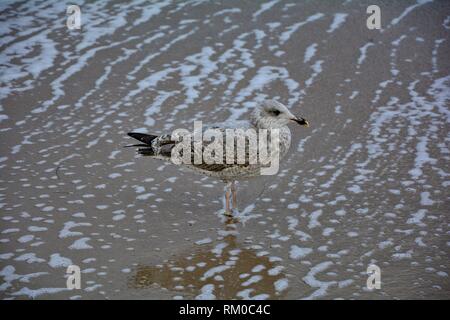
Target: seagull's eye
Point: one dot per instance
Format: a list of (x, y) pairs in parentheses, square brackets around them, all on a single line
[(274, 112)]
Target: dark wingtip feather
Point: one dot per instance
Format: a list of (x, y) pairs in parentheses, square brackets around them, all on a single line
[(136, 145), (146, 151), (142, 137)]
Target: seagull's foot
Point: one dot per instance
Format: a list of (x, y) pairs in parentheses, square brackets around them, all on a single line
[(231, 220), (228, 213), (232, 215)]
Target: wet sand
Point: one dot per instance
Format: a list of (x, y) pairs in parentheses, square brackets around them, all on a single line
[(367, 183)]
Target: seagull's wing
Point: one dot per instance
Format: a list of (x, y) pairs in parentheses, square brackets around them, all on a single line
[(221, 162), (161, 147)]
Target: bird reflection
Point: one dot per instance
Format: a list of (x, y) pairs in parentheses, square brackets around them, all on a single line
[(231, 271)]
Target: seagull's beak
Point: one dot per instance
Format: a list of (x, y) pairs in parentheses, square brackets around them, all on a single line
[(301, 121)]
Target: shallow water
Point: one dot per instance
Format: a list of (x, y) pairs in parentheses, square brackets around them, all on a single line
[(367, 183)]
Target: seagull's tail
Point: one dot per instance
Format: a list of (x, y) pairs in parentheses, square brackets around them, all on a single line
[(146, 147)]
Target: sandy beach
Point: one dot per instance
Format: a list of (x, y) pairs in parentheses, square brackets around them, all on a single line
[(367, 183)]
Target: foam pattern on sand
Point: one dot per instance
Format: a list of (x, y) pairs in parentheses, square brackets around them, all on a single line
[(367, 183)]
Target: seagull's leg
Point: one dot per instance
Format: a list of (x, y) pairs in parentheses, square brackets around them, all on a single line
[(228, 211), (234, 198)]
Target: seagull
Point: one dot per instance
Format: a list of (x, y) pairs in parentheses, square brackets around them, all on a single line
[(267, 117)]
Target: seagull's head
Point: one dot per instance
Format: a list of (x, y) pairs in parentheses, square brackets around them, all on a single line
[(273, 114)]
